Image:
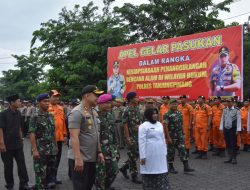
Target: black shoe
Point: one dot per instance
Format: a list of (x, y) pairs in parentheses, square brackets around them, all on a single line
[(124, 169), (26, 187), (195, 152), (136, 180), (9, 187), (222, 153), (58, 181), (51, 185), (172, 169), (234, 161), (228, 161), (204, 155), (211, 148), (187, 168), (217, 152), (245, 148), (199, 155)]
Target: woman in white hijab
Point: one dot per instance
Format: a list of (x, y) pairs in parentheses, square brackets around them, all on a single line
[(153, 153)]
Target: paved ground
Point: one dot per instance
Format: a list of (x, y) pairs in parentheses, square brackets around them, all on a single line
[(211, 174)]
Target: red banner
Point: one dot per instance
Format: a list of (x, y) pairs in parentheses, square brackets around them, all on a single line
[(208, 64)]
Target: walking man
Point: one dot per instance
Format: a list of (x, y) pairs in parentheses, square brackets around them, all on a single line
[(84, 145), (11, 144), (173, 121), (44, 148)]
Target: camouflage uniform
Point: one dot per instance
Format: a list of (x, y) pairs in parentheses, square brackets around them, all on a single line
[(132, 117), (106, 172), (119, 130), (42, 125), (174, 121)]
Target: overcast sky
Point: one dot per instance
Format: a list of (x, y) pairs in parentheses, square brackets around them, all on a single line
[(19, 18)]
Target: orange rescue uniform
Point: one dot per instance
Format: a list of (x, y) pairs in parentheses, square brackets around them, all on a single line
[(187, 114), (60, 125), (245, 137), (201, 116), (218, 137), (163, 109)]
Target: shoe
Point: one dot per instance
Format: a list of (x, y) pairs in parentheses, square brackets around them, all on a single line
[(228, 161), (211, 148), (187, 168), (9, 187), (51, 185), (245, 148), (217, 152), (27, 187), (234, 161), (204, 155), (136, 180), (199, 155), (222, 152), (171, 169), (124, 169), (58, 181), (195, 152)]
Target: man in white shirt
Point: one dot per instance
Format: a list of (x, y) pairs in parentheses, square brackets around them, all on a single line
[(231, 125)]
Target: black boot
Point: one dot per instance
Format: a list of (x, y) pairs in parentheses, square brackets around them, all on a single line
[(222, 152), (186, 167), (217, 152), (229, 160), (136, 180), (199, 155), (195, 151), (124, 169), (248, 148), (204, 155), (245, 148), (171, 168), (211, 147)]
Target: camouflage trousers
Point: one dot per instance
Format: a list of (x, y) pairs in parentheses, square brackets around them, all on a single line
[(178, 144), (106, 174), (133, 155), (45, 170)]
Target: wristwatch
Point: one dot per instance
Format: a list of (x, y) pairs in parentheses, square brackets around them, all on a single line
[(222, 87)]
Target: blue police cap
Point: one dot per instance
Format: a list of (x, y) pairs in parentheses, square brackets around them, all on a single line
[(131, 95), (41, 97)]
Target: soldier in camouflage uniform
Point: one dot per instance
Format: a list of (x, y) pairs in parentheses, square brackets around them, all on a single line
[(107, 171), (173, 121), (131, 119), (44, 149)]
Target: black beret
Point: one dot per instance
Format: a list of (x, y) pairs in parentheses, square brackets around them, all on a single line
[(165, 97), (131, 95), (12, 98), (183, 96), (41, 97), (217, 97)]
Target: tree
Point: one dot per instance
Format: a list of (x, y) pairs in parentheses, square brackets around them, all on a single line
[(161, 19), (22, 80), (75, 47)]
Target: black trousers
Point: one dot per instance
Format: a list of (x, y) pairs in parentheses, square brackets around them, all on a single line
[(83, 180), (7, 158), (231, 141), (59, 155)]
